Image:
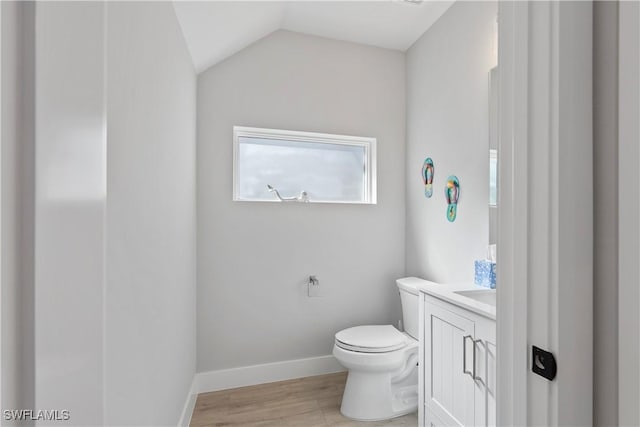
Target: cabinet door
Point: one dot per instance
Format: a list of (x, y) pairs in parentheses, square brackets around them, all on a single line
[(491, 383), (485, 396), (448, 390)]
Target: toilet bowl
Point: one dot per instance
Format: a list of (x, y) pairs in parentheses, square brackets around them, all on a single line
[(382, 381), (382, 361)]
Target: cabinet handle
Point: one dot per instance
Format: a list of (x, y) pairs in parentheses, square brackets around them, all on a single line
[(476, 377), (464, 356)]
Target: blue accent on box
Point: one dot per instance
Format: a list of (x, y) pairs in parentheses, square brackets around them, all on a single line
[(485, 274)]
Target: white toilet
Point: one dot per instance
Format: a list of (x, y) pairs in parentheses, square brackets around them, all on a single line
[(382, 363)]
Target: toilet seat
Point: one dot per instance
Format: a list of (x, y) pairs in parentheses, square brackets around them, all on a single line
[(371, 339)]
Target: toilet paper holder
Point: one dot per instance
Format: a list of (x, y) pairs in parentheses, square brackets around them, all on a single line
[(313, 287)]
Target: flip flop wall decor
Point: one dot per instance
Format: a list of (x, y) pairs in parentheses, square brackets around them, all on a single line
[(427, 177), (452, 194)]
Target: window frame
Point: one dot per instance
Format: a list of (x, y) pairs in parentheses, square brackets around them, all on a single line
[(368, 144)]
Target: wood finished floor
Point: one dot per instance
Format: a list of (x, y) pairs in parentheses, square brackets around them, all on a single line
[(304, 402)]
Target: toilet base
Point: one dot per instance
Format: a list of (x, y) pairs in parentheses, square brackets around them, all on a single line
[(373, 396)]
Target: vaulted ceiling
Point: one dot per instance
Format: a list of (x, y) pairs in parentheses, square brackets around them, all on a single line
[(215, 30)]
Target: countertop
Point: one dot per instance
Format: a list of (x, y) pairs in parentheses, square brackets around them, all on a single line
[(446, 292)]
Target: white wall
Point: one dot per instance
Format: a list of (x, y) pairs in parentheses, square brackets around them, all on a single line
[(70, 208), (11, 244), (448, 120), (17, 123), (150, 252), (115, 213), (254, 259)]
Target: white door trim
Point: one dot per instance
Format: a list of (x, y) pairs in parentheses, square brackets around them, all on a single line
[(629, 212), (545, 211), (511, 314), (1, 197)]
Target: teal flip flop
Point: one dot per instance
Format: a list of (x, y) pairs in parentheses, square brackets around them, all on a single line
[(452, 193), (427, 177)]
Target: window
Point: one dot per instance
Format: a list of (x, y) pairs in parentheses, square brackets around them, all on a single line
[(328, 168)]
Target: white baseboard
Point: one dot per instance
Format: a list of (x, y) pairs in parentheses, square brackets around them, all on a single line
[(266, 373), (189, 404)]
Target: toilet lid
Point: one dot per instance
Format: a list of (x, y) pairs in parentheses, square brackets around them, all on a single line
[(371, 339)]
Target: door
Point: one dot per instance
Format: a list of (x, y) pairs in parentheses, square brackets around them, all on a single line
[(448, 383), (545, 211)]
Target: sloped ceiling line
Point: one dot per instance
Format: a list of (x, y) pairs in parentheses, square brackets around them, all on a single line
[(215, 30)]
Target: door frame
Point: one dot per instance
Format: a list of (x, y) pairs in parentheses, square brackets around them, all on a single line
[(628, 214), (545, 295), (1, 204)]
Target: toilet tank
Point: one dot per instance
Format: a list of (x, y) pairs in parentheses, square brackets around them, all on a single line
[(408, 288)]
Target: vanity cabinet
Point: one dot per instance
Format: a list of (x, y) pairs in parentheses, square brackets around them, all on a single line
[(458, 366)]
